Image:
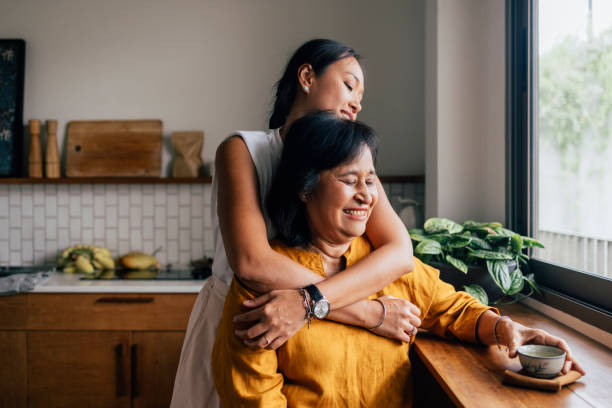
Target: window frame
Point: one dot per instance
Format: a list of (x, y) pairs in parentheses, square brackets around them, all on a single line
[(578, 293)]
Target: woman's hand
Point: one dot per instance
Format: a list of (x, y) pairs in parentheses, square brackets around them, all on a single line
[(402, 320), (276, 316), (513, 335)]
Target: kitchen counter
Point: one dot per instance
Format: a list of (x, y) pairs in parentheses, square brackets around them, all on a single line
[(70, 283)]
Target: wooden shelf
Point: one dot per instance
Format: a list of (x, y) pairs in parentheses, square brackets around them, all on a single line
[(159, 180), (108, 180)]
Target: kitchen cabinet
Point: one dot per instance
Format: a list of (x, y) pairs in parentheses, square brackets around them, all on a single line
[(13, 377), (78, 369), (94, 350), (154, 356)]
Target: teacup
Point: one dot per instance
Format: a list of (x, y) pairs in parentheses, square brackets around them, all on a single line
[(541, 361)]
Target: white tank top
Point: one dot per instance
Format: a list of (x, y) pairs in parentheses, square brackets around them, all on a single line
[(265, 148)]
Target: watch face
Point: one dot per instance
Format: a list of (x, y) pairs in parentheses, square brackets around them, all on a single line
[(321, 309)]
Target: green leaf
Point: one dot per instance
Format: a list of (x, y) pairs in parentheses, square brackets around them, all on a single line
[(434, 225), (416, 231), (517, 282), (457, 263), (531, 281), (478, 292), (441, 238), (491, 255), (499, 272), (429, 247), (418, 237), (503, 231), (516, 243), (479, 243), (498, 240), (530, 242), (459, 241)]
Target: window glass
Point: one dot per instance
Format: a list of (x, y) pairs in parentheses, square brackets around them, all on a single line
[(573, 126)]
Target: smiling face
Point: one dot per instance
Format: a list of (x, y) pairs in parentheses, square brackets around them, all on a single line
[(339, 89), (342, 202)]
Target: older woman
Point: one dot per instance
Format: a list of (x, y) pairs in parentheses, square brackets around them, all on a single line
[(320, 202)]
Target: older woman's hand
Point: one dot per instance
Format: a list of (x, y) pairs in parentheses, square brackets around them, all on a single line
[(514, 334), (402, 320), (276, 316)]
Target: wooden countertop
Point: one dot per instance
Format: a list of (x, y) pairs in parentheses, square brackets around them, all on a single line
[(471, 375)]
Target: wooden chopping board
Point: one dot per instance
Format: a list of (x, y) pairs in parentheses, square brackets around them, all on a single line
[(114, 148)]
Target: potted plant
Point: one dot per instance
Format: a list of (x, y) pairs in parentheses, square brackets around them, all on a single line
[(476, 254)]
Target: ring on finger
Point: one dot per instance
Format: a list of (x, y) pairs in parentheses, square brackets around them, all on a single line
[(266, 339)]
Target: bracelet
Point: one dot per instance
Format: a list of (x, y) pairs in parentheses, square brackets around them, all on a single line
[(497, 342), (383, 316), (307, 305)]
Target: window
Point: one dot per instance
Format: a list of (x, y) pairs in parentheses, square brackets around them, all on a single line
[(559, 132)]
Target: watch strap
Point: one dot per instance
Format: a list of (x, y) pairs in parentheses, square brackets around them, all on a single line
[(314, 292)]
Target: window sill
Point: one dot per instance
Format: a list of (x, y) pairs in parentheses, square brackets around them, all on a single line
[(471, 375)]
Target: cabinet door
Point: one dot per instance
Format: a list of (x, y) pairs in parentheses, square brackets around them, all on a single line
[(155, 358), (79, 369), (13, 369)]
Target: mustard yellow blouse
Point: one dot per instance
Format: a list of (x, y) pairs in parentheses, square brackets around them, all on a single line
[(333, 364)]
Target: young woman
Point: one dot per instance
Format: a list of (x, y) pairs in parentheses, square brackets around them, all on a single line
[(320, 202), (321, 75)]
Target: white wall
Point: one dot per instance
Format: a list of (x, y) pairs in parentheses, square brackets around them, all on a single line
[(211, 65), (465, 103)]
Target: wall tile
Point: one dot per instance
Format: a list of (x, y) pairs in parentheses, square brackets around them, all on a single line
[(99, 206), (15, 217), (99, 228), (4, 252), (27, 203), (87, 237), (15, 239), (51, 227), (75, 205), (4, 205), (87, 216), (75, 230), (124, 228), (87, 194), (184, 217), (4, 228)]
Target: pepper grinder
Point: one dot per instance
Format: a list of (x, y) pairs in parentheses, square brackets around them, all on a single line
[(35, 157), (52, 169)]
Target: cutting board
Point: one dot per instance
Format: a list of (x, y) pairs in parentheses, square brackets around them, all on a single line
[(114, 148)]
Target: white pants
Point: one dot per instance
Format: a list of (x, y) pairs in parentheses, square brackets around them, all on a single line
[(194, 386)]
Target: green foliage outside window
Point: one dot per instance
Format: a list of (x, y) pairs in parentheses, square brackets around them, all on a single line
[(575, 96)]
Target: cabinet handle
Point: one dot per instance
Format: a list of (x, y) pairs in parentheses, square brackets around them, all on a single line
[(134, 364), (124, 300), (121, 388)]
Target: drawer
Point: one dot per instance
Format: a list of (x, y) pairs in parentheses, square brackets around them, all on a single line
[(109, 311), (13, 312)]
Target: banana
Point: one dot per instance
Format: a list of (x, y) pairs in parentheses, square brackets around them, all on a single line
[(83, 264), (106, 261), (85, 258), (70, 269)]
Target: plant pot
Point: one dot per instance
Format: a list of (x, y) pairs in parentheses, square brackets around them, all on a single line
[(476, 274)]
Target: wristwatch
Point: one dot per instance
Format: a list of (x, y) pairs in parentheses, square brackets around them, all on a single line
[(319, 305)]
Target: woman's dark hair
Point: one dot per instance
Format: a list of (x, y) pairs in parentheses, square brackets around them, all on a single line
[(319, 53), (314, 143)]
